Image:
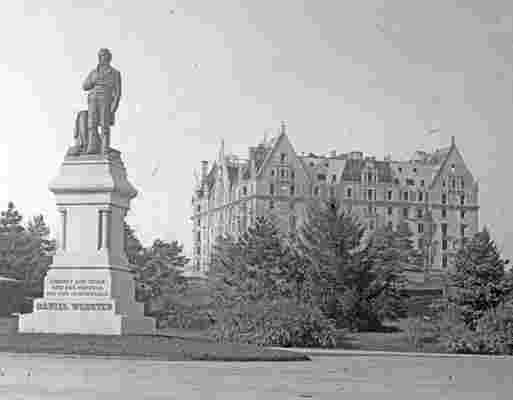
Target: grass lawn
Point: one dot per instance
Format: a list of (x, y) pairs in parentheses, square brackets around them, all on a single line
[(139, 346)]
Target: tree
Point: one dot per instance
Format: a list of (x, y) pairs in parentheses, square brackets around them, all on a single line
[(326, 240), (25, 251), (408, 254), (258, 283), (159, 276), (479, 282), (253, 267)]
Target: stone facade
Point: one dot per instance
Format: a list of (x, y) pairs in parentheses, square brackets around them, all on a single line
[(435, 193)]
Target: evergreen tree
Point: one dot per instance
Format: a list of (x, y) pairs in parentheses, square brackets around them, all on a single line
[(479, 282), (159, 275), (408, 254), (327, 239), (253, 267), (25, 252)]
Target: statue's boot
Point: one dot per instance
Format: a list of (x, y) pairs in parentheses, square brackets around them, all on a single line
[(105, 141), (92, 145)]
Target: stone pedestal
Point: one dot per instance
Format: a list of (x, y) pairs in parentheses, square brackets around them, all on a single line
[(89, 288)]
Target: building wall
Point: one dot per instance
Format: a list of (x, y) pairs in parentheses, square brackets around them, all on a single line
[(436, 189)]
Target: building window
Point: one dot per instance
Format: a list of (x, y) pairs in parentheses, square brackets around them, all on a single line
[(462, 183), (321, 177), (422, 182), (444, 244), (420, 228), (271, 204), (420, 243), (198, 208), (390, 225), (421, 196), (244, 190), (316, 191), (283, 157), (462, 214), (396, 181), (390, 211), (405, 196), (444, 212), (198, 222), (292, 190), (405, 212), (444, 260), (389, 195), (444, 198), (333, 178), (400, 169), (419, 213), (272, 172), (462, 199), (453, 183), (371, 225), (271, 189), (369, 194), (282, 173), (443, 183), (462, 229), (292, 175), (415, 170), (349, 192), (412, 196), (453, 167), (410, 182)]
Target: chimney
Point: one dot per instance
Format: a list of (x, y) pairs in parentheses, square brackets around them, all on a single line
[(453, 141), (204, 169)]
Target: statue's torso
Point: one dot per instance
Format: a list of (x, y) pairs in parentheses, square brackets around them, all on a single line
[(105, 83)]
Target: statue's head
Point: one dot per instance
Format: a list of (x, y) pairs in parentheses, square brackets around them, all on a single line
[(104, 56)]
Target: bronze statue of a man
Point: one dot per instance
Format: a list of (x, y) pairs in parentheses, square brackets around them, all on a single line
[(104, 86)]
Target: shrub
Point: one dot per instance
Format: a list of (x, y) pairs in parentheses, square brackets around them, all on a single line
[(281, 323), (495, 330), (493, 333)]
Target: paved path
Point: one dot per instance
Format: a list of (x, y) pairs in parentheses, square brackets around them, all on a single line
[(52, 377)]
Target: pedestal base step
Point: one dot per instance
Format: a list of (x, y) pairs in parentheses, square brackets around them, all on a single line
[(87, 318)]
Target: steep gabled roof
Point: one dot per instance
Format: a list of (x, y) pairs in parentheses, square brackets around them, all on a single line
[(271, 152), (444, 161)]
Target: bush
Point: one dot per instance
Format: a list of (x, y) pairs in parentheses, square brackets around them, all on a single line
[(419, 331), (495, 330), (493, 333), (281, 323), (188, 317)]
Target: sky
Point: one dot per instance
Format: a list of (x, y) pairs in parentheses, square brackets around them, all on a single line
[(343, 75)]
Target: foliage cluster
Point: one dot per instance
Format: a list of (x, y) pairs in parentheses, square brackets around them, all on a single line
[(478, 314), (296, 289)]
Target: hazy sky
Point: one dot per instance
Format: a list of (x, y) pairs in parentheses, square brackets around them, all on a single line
[(344, 75)]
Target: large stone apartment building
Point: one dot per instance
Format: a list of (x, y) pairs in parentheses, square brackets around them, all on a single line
[(435, 193)]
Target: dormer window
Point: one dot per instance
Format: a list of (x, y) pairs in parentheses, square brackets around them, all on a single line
[(453, 167), (283, 157)]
